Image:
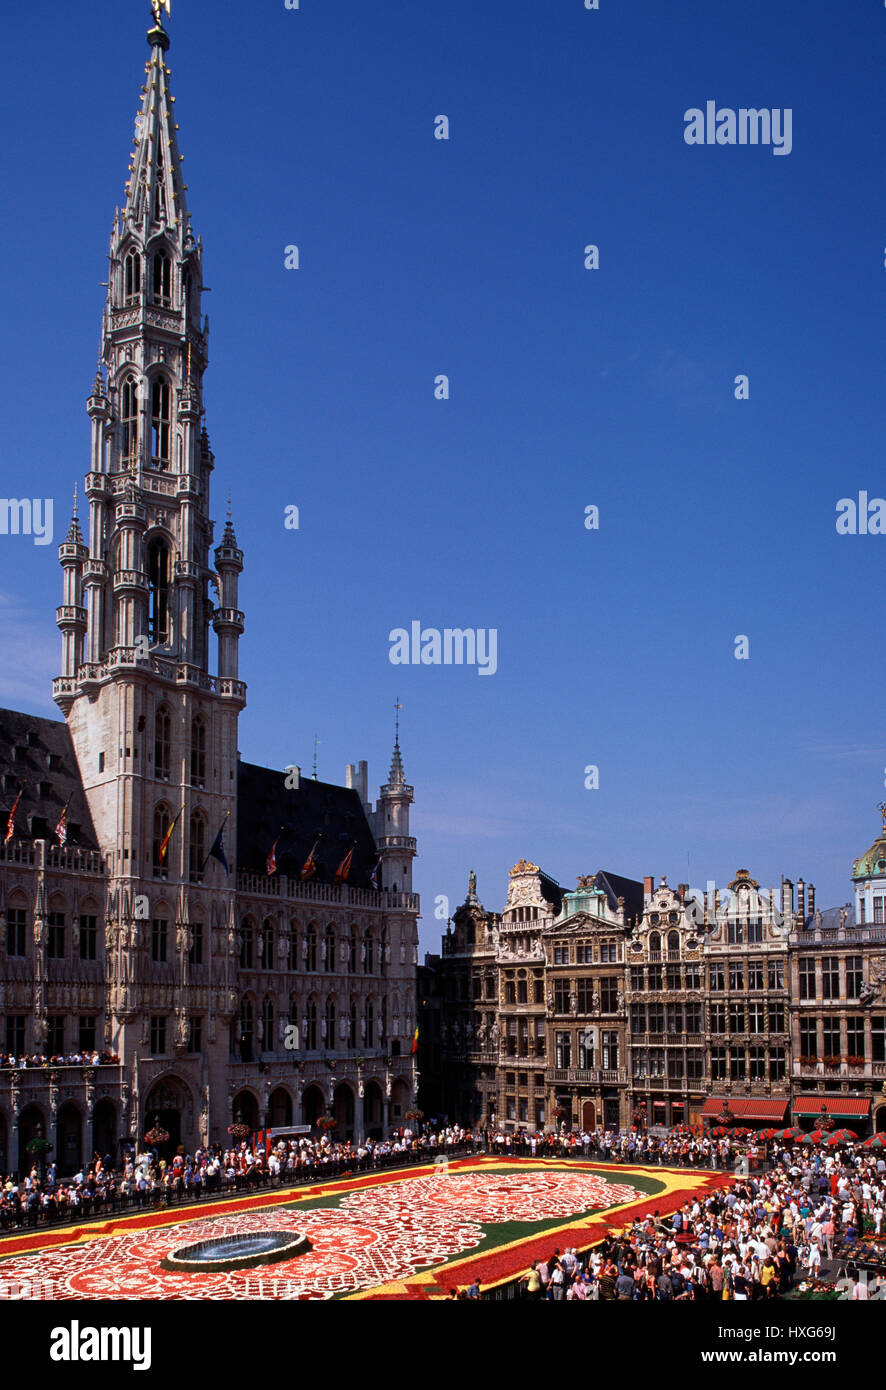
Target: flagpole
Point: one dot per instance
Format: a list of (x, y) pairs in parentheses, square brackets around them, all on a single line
[(209, 855)]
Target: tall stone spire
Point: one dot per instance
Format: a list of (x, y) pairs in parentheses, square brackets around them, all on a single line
[(396, 776), (155, 190)]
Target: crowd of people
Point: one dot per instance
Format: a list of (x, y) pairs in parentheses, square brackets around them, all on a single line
[(87, 1058), (612, 1146), (146, 1180), (756, 1237)]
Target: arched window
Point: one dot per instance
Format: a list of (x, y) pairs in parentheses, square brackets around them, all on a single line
[(160, 423), (158, 601), (293, 963), (197, 847), (654, 946), (162, 280), (311, 1027), (330, 1021), (132, 278), (162, 822), (311, 948), (162, 744), (129, 419), (383, 1022), (352, 1025), (247, 942), (369, 1024), (198, 751), (267, 1025), (329, 949), (673, 944), (368, 952), (352, 952), (267, 944)]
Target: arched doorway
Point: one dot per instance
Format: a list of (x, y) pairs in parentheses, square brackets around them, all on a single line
[(280, 1108), (880, 1120), (588, 1116), (104, 1129), (167, 1103), (343, 1110), (245, 1110), (31, 1125), (312, 1105), (399, 1104), (69, 1158), (373, 1111)]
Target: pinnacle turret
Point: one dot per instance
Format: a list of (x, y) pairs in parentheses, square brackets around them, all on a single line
[(396, 776)]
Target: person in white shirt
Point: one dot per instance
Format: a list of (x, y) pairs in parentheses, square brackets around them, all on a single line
[(860, 1290)]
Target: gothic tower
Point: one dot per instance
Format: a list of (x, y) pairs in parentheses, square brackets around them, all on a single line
[(155, 732)]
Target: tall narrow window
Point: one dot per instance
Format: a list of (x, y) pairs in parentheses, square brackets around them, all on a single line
[(159, 213), (158, 603), (267, 944), (267, 1025), (129, 419), (132, 278), (161, 826), (160, 423), (246, 943), (311, 1027), (330, 1021), (198, 752), (162, 744), (159, 939), (246, 1031), (369, 1024), (195, 954), (162, 280), (196, 847)]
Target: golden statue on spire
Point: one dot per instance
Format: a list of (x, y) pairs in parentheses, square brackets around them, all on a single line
[(158, 6)]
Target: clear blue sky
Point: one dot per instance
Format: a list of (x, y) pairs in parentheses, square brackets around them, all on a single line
[(568, 387)]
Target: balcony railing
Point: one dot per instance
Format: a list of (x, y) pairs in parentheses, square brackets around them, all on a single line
[(593, 1076), (292, 888)]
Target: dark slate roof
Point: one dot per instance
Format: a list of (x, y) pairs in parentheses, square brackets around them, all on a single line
[(830, 918), (617, 887), (38, 756), (312, 809), (551, 891)]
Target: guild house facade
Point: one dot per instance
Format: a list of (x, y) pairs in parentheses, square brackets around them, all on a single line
[(184, 937), (630, 1003)]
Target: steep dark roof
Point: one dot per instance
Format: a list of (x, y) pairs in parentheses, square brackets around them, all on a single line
[(617, 887), (312, 809), (38, 756), (830, 918), (551, 891)]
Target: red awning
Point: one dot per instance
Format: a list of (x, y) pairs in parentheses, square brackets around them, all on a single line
[(834, 1105), (748, 1108)]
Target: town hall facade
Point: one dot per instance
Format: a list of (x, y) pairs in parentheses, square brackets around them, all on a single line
[(209, 940)]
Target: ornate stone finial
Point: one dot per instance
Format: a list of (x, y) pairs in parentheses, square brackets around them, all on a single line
[(524, 867)]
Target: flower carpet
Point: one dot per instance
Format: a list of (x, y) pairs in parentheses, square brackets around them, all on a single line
[(403, 1235)]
